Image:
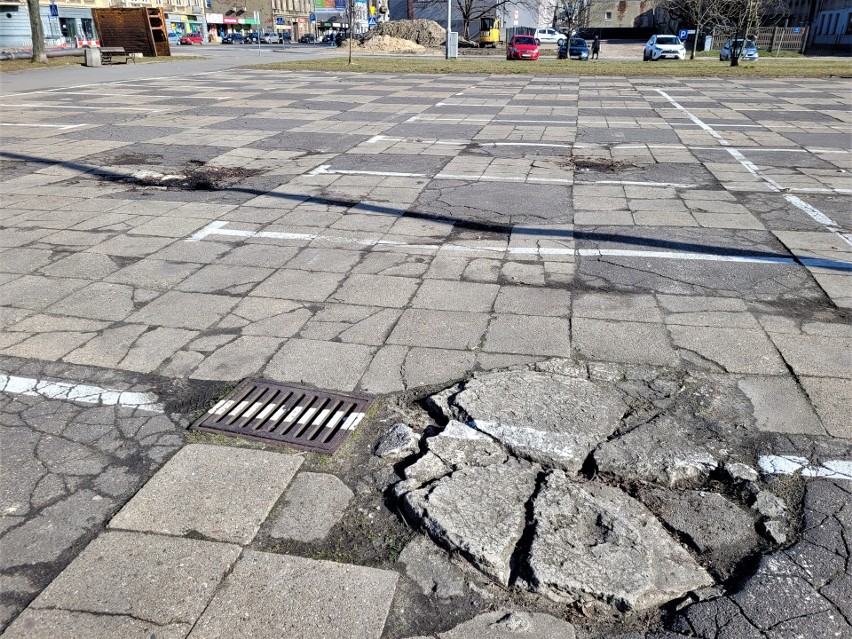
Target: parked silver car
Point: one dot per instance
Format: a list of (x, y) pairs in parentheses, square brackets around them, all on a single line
[(749, 50)]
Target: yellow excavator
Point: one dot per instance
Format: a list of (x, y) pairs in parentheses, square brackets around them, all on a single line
[(489, 32)]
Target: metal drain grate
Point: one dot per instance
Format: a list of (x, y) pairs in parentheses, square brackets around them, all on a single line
[(298, 417)]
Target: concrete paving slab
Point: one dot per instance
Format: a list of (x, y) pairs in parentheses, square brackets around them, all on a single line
[(313, 504), (628, 342), (50, 624), (312, 599), (163, 580), (220, 492)]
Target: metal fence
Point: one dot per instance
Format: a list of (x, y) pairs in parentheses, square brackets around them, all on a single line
[(769, 39), (830, 45)]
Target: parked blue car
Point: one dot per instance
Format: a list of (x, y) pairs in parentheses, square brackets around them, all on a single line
[(575, 48)]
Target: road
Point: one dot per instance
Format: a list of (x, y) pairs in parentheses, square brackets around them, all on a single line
[(168, 228)]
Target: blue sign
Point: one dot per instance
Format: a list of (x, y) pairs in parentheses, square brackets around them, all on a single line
[(279, 21), (682, 34), (797, 29), (313, 17), (372, 22), (340, 5), (54, 11)]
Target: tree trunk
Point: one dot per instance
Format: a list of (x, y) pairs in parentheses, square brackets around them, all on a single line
[(411, 9), (735, 50), (37, 30)]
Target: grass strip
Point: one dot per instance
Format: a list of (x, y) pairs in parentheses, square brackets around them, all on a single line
[(700, 68), (13, 66)]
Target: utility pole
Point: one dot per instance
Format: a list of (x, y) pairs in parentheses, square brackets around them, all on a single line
[(349, 4), (449, 24)]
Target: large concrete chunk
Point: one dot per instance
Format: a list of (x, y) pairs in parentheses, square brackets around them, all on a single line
[(665, 451), (282, 597), (479, 511), (551, 419), (594, 543), (221, 492)]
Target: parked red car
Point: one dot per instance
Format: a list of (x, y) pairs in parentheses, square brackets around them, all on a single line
[(191, 38), (522, 47)]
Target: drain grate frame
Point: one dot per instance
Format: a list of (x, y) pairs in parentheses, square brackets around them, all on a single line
[(295, 416)]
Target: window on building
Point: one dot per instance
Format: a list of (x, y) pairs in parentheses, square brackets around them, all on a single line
[(608, 15), (849, 24), (88, 28)]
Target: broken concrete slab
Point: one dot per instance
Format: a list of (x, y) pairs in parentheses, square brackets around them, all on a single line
[(313, 504), (460, 445), (504, 624), (717, 528), (668, 451), (399, 441), (480, 511), (163, 580), (431, 569), (550, 419), (195, 492), (311, 599), (597, 546)]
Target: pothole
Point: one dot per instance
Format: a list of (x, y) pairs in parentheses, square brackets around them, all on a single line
[(202, 178), (129, 159), (601, 165)]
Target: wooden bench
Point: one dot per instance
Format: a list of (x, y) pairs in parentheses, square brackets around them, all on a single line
[(107, 54)]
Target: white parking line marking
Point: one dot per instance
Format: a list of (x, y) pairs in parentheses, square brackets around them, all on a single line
[(217, 228), (43, 105), (83, 393), (814, 213), (793, 464), (325, 169), (138, 95), (629, 183), (45, 126)]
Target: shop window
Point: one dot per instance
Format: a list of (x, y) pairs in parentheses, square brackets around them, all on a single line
[(608, 15), (88, 26), (68, 27)]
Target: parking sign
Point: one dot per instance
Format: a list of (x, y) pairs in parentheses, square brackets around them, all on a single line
[(682, 34)]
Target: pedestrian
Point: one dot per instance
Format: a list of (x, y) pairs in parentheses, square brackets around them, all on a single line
[(596, 47), (331, 38)]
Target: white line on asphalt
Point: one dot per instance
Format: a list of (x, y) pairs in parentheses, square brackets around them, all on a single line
[(814, 213), (325, 169), (218, 228), (463, 120), (501, 178), (139, 95), (87, 108), (83, 393), (629, 183), (793, 464), (46, 126)]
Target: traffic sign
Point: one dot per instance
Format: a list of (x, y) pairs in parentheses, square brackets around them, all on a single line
[(313, 17), (54, 11), (682, 34), (797, 29), (372, 22)]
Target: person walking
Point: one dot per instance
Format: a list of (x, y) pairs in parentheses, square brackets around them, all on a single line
[(596, 47)]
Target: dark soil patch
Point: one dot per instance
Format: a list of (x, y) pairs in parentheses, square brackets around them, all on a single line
[(601, 165)]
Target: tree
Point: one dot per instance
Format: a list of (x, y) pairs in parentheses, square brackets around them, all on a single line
[(697, 14), (744, 17), (37, 31)]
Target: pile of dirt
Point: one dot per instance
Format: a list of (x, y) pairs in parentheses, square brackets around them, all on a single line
[(387, 44), (427, 33)]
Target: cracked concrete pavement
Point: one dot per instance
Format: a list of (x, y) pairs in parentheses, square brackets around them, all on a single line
[(385, 235)]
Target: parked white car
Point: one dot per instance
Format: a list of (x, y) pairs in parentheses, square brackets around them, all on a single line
[(550, 36), (660, 47)]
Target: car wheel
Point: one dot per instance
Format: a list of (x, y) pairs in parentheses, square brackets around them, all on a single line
[(644, 56)]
